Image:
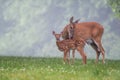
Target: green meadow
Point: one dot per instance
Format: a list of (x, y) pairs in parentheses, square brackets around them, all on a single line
[(28, 68)]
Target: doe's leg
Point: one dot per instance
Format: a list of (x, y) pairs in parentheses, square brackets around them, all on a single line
[(81, 51)]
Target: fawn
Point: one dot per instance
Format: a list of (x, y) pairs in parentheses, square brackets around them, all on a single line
[(66, 45)]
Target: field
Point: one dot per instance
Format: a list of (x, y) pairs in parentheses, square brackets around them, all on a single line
[(27, 68)]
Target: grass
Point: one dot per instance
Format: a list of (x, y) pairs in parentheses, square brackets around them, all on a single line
[(26, 68)]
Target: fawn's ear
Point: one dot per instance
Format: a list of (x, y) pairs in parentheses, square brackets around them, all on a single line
[(61, 33), (53, 32)]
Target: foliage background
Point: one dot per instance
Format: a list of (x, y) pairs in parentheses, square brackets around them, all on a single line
[(26, 25)]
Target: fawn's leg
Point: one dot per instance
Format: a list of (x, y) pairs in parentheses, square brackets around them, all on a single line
[(65, 55), (73, 55), (68, 56)]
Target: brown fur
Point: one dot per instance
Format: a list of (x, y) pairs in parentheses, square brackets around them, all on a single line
[(67, 45), (86, 31)]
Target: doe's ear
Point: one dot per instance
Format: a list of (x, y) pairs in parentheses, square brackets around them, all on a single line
[(71, 19), (53, 32), (77, 21)]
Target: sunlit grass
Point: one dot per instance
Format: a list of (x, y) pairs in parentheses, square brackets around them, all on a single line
[(22, 68)]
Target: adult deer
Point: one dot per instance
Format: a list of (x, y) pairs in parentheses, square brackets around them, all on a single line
[(67, 45), (90, 32)]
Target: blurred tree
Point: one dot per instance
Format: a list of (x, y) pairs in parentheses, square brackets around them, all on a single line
[(115, 4)]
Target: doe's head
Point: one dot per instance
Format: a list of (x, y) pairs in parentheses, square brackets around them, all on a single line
[(68, 29)]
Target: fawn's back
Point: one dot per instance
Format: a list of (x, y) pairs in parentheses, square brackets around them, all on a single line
[(66, 44)]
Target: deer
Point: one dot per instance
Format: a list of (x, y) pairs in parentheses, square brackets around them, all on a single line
[(90, 32), (67, 45)]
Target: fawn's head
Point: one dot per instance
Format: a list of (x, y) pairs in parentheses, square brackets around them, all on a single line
[(57, 36)]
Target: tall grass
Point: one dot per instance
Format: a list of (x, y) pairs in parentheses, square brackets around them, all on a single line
[(26, 68)]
